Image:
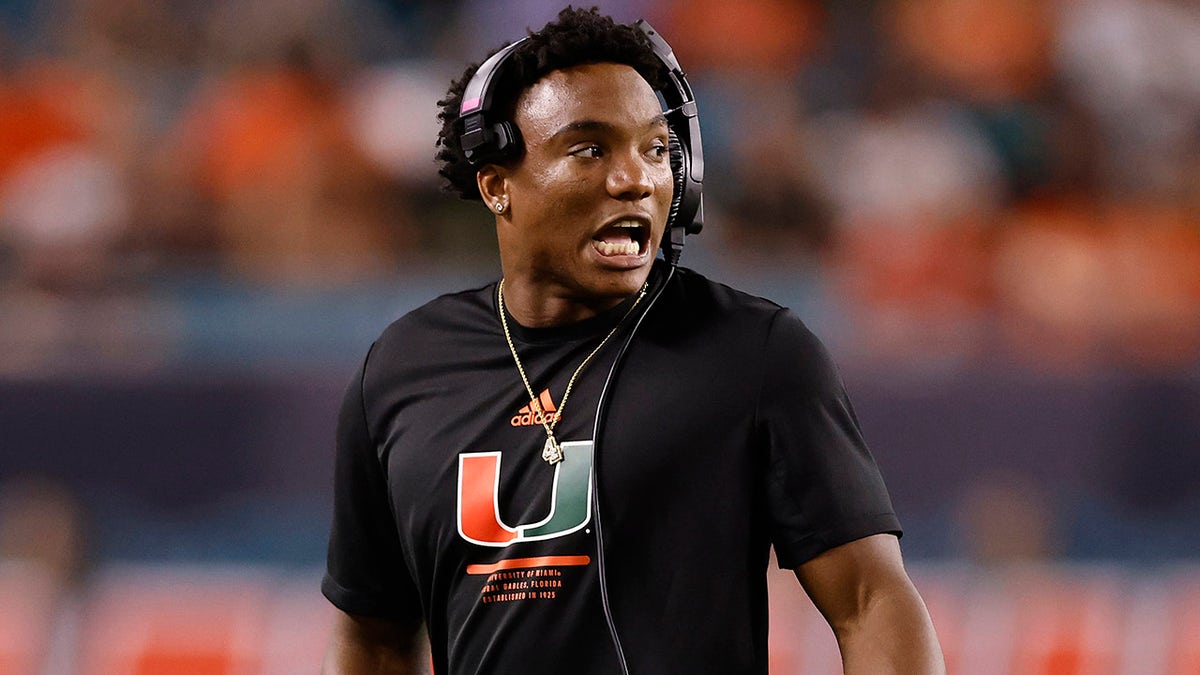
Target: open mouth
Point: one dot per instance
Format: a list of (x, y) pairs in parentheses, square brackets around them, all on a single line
[(622, 238)]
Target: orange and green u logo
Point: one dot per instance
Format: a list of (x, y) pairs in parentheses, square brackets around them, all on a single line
[(479, 518)]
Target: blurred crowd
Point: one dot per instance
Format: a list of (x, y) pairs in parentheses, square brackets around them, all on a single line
[(965, 178)]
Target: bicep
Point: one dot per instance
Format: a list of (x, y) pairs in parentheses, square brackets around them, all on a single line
[(844, 581), (879, 619), (364, 645)]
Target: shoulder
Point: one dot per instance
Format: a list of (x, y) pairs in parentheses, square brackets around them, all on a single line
[(448, 322), (742, 323), (450, 311), (694, 304), (691, 295)]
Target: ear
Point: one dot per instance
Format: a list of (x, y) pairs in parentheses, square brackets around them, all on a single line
[(493, 187)]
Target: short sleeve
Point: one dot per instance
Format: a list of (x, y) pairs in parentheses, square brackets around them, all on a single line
[(365, 572), (823, 486)]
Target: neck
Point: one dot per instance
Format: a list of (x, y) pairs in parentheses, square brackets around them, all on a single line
[(537, 308)]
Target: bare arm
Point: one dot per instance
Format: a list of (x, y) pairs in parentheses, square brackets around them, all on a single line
[(361, 646), (879, 619)]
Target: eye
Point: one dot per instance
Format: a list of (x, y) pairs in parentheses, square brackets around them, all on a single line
[(659, 150), (591, 151)]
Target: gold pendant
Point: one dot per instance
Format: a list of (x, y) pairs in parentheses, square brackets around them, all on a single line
[(552, 451)]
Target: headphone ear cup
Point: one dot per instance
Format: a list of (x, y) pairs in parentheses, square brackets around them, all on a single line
[(495, 144), (678, 175), (506, 141)]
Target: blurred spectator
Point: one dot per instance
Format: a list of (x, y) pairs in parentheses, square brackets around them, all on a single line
[(1007, 519), (63, 201), (758, 36), (777, 210), (746, 61), (1155, 273), (1084, 285), (984, 50), (1051, 280), (923, 166), (391, 113), (914, 192), (293, 197), (1134, 64), (993, 59), (44, 525)]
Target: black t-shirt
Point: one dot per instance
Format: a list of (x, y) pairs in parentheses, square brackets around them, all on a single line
[(726, 430)]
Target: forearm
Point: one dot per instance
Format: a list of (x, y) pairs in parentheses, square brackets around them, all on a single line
[(354, 660), (361, 646), (892, 635)]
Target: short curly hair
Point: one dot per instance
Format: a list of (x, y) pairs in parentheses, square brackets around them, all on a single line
[(576, 37)]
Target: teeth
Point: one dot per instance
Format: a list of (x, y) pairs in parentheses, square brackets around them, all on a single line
[(627, 248)]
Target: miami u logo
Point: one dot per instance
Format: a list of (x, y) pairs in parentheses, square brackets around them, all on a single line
[(479, 519)]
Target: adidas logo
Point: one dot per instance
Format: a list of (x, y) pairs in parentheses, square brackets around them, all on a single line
[(539, 411)]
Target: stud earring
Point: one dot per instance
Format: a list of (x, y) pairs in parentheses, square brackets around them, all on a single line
[(499, 207)]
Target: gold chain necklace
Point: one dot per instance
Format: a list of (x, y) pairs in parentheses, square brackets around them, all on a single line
[(552, 451)]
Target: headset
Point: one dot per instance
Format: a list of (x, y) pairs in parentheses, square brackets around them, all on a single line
[(486, 140)]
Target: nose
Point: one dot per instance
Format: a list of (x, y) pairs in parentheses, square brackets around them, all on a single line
[(630, 177)]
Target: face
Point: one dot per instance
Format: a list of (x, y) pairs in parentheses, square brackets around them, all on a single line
[(587, 204)]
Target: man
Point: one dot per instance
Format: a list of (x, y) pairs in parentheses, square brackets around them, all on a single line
[(582, 467)]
